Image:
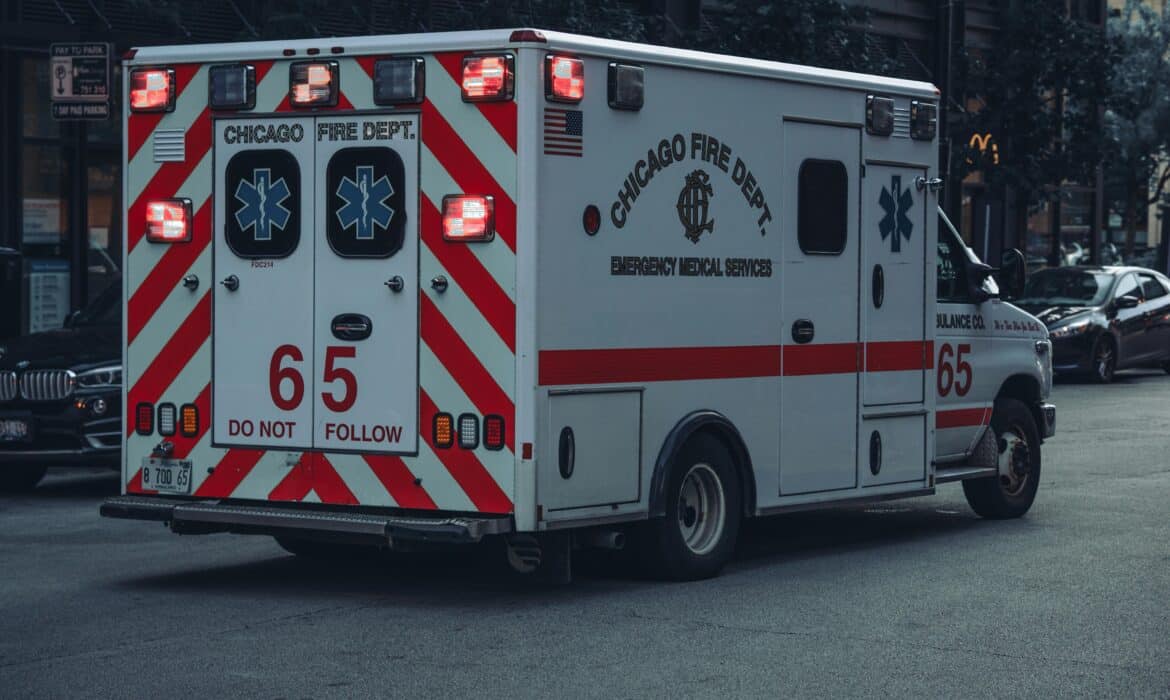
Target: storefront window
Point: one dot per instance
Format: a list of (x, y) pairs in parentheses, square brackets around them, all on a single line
[(35, 97), (1039, 241), (104, 253)]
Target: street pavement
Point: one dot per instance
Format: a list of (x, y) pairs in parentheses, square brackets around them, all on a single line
[(914, 597)]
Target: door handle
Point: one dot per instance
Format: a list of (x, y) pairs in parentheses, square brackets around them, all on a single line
[(351, 327), (395, 284), (803, 331), (231, 283)]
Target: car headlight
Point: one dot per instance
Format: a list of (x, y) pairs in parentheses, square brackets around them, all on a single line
[(1070, 330), (100, 377)]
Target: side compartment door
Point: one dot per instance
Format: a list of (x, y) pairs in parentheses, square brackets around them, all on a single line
[(819, 299), (366, 324), (262, 330)]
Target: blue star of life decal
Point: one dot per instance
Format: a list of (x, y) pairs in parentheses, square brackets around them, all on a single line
[(896, 223), (263, 204), (365, 202)]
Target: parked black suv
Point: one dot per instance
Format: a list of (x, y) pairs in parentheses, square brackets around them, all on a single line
[(61, 395)]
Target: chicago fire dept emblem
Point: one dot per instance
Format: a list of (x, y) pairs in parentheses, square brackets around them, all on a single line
[(694, 205), (364, 202), (263, 204), (896, 203)]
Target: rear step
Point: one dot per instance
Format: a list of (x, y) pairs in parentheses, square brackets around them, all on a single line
[(213, 516), (942, 476)]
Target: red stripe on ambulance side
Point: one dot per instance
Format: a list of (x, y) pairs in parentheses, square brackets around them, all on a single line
[(962, 418), (233, 468), (140, 125), (501, 115), (463, 465), (170, 177), (898, 356), (469, 273), (296, 484), (657, 364), (823, 358), (167, 273), (399, 482), (328, 484), (172, 359), (462, 165), (462, 364)]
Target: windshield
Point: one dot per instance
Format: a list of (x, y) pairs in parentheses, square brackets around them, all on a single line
[(1067, 288), (105, 310)]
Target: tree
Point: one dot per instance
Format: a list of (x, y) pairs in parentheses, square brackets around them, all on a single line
[(1137, 115)]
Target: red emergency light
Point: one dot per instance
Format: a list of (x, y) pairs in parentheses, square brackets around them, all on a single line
[(468, 217), (488, 78), (313, 84), (564, 79), (152, 90), (168, 221)]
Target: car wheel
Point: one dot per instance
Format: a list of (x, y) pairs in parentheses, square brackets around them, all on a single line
[(20, 477), (323, 551), (1104, 360), (1010, 493), (697, 537)]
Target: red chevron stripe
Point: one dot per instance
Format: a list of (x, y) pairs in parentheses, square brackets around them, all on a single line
[(175, 355), (140, 125), (501, 115), (463, 365), (465, 168), (169, 178), (399, 482), (184, 445), (328, 484), (135, 484), (464, 467), (469, 273), (233, 467), (296, 484), (167, 273)]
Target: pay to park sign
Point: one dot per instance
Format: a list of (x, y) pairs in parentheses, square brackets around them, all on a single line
[(79, 80)]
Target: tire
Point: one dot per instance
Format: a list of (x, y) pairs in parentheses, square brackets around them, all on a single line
[(1104, 360), (1010, 494), (318, 550), (704, 506), (20, 478)]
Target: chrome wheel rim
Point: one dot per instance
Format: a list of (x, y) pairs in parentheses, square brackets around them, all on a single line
[(702, 509), (1015, 461)]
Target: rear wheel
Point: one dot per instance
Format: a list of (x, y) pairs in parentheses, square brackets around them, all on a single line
[(703, 511), (20, 477), (1104, 360), (1010, 493)]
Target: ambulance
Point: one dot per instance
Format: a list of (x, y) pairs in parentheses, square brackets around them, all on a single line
[(553, 292)]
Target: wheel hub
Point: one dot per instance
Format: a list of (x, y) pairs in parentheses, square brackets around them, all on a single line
[(702, 509), (1015, 461)]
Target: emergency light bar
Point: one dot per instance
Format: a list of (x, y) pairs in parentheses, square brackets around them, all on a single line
[(168, 221), (564, 78), (231, 86), (488, 78), (313, 84), (923, 120), (468, 218), (626, 86), (399, 80), (152, 90)]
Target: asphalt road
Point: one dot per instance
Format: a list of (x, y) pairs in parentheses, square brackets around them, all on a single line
[(914, 597)]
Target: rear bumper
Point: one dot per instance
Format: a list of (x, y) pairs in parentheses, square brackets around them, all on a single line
[(203, 517)]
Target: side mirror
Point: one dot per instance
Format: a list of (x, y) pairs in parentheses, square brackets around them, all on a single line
[(71, 319), (1012, 274), (977, 274), (1127, 302)]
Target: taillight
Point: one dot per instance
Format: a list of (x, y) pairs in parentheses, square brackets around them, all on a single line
[(443, 432), (152, 90), (144, 419), (468, 431), (487, 78), (313, 84), (189, 420), (564, 79), (468, 217), (166, 419), (493, 432), (168, 220)]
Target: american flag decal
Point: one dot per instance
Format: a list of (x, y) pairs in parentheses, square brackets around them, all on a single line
[(562, 132)]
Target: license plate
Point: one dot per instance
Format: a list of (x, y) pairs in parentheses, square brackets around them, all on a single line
[(168, 475), (13, 429)]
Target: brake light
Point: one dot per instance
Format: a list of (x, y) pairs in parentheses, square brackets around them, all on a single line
[(152, 90), (493, 432), (564, 79), (468, 218), (168, 221), (487, 78), (189, 420), (313, 84), (443, 432), (144, 419)]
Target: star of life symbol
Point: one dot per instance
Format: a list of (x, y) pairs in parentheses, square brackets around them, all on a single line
[(365, 202), (262, 199), (896, 224)]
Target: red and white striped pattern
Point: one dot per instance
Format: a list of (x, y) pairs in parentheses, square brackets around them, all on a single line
[(467, 350)]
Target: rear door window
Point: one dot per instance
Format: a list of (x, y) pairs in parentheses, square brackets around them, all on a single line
[(1152, 288)]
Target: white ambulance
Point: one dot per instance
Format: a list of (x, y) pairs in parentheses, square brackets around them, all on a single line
[(551, 290)]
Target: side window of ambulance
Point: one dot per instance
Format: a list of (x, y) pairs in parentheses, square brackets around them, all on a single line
[(952, 273), (822, 207), (1152, 288), (264, 204)]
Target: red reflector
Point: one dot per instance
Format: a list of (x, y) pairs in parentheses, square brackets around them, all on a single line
[(168, 220), (493, 432), (565, 79), (152, 90), (144, 419), (487, 78), (468, 218)]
